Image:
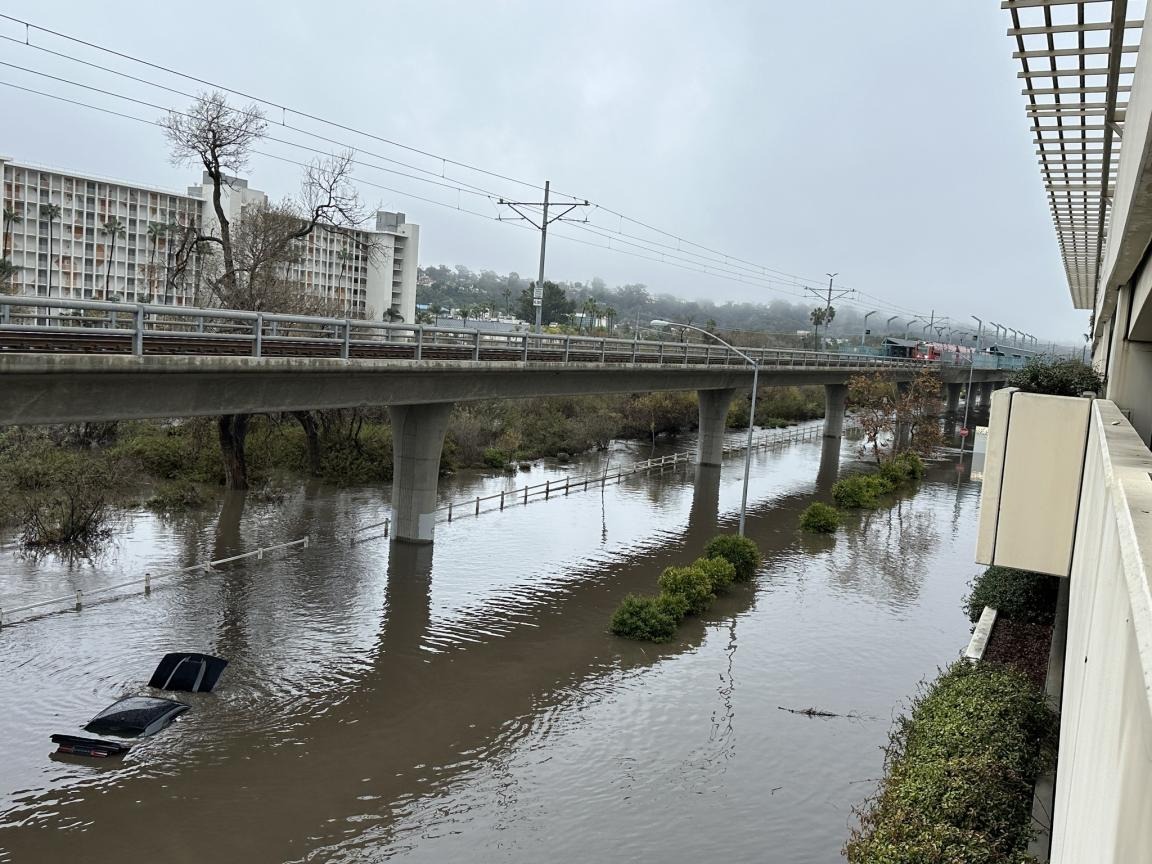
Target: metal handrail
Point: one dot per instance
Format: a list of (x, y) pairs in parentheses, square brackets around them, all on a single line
[(150, 321)]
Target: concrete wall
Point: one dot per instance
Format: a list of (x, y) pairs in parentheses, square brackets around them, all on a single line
[(1103, 809)]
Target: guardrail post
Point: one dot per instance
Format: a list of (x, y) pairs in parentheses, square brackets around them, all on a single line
[(567, 347), (603, 350), (547, 488), (660, 357), (346, 347), (477, 505), (525, 494), (420, 342), (258, 335), (274, 329), (635, 346), (199, 323), (4, 314), (501, 500), (138, 336), (79, 600), (111, 319), (449, 511), (525, 347), (147, 582), (476, 347), (685, 355)]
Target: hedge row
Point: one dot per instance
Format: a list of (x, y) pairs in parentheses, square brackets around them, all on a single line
[(959, 773), (687, 590), (1019, 595)]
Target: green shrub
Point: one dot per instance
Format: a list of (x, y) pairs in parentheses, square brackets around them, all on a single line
[(858, 491), (177, 497), (1017, 594), (738, 551), (495, 458), (644, 617), (960, 769), (64, 495), (903, 468), (820, 519), (1057, 377), (695, 586), (719, 571)]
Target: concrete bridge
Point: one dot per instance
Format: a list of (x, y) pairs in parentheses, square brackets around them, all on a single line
[(75, 361)]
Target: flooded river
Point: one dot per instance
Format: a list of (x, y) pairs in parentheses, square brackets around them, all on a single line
[(466, 702)]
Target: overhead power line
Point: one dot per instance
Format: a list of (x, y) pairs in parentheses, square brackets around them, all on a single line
[(690, 255)]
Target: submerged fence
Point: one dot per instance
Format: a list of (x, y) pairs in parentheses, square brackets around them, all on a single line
[(75, 601), (523, 495)]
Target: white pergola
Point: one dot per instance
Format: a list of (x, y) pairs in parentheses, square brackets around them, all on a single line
[(1077, 58)]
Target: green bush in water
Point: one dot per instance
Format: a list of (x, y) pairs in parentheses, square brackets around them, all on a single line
[(1017, 594), (720, 572), (694, 585), (495, 458), (648, 618), (903, 468), (177, 497), (861, 491), (738, 551), (820, 519)]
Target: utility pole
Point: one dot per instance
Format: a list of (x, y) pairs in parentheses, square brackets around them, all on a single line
[(542, 227), (827, 298)]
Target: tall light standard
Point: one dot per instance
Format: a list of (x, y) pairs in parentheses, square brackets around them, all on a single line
[(865, 331), (909, 323), (888, 324), (658, 322), (968, 396)]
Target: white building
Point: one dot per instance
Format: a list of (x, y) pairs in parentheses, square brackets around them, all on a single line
[(141, 262)]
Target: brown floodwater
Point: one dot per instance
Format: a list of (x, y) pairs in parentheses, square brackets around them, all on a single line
[(466, 702)]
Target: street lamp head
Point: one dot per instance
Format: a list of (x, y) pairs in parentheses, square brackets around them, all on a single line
[(660, 322)]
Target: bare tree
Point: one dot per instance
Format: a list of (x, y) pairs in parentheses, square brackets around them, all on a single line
[(258, 253), (218, 137)]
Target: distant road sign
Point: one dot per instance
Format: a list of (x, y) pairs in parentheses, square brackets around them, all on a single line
[(963, 432), (537, 301)]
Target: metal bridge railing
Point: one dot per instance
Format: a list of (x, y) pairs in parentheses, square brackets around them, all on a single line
[(35, 324)]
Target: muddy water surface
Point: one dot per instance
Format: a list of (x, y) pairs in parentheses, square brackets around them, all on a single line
[(465, 702)]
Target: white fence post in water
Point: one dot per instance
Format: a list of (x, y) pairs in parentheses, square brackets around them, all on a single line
[(79, 600)]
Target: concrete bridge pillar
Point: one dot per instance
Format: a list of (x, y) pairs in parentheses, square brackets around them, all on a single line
[(952, 404), (835, 405), (417, 441), (714, 405), (903, 432)]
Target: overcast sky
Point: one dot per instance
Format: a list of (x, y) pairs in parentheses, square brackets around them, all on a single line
[(886, 142)]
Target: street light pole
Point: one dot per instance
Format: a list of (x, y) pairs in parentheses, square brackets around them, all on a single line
[(865, 333), (751, 408), (968, 395)]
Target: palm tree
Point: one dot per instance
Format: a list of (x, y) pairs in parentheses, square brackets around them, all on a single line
[(12, 216), (49, 213), (609, 315), (113, 228), (7, 271), (156, 232)]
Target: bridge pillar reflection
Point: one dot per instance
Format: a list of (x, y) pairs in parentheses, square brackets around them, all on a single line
[(835, 405), (417, 442), (408, 597), (829, 470), (903, 436), (952, 399), (714, 405), (704, 515)]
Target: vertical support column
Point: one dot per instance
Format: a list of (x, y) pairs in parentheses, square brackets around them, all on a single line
[(903, 430), (835, 404), (417, 441), (952, 403), (714, 405)]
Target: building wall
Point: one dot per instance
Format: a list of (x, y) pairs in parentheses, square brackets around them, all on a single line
[(76, 247), (1103, 808), (335, 266)]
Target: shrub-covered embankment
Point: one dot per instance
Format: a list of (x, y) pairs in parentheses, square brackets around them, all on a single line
[(959, 773)]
